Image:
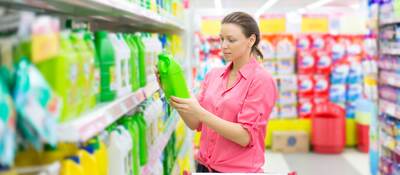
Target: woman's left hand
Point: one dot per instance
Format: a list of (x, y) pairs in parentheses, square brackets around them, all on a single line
[(189, 106)]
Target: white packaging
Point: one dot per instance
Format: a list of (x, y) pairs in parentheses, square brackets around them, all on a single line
[(287, 98), (285, 66), (288, 111), (271, 66), (287, 83)]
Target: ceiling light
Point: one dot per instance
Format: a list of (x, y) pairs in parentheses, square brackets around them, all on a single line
[(318, 4), (265, 7)]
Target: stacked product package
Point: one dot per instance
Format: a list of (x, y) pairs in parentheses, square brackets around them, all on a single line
[(279, 60), (336, 68)]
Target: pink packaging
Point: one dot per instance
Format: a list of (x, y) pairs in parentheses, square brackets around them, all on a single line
[(305, 107), (306, 62), (305, 86), (303, 42), (318, 42), (321, 87), (324, 63)]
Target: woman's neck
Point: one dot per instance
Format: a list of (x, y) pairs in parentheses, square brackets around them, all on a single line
[(240, 62)]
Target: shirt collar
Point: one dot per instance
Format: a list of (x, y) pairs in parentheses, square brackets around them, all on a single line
[(244, 71)]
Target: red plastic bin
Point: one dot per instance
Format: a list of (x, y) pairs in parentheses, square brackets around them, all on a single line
[(328, 128), (363, 137)]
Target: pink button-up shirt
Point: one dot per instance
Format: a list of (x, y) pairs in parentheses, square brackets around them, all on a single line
[(248, 102)]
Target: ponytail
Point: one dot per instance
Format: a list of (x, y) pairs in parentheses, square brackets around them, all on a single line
[(258, 52)]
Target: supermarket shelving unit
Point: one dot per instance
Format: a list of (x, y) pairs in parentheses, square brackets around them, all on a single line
[(114, 15), (392, 79)]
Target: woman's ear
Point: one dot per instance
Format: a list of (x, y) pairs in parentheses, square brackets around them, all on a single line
[(252, 40)]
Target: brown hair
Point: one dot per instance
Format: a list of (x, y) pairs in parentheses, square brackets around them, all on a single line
[(248, 25)]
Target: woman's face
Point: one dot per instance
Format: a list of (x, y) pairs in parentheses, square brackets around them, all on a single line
[(234, 43)]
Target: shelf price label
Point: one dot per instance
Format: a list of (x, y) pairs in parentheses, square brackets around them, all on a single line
[(270, 24), (315, 24), (210, 26)]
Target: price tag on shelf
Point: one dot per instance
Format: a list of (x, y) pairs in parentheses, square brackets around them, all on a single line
[(315, 24), (272, 24)]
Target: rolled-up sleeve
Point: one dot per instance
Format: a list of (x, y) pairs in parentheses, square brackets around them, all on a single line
[(257, 106)]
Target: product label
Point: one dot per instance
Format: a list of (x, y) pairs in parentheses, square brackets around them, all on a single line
[(97, 80), (303, 43), (45, 39), (321, 85), (318, 43), (113, 83), (338, 52)]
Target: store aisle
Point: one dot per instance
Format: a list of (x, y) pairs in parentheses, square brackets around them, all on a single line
[(350, 162)]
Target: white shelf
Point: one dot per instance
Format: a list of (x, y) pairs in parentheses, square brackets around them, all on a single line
[(95, 121), (157, 148), (389, 21), (389, 108), (389, 50), (121, 14), (390, 78)]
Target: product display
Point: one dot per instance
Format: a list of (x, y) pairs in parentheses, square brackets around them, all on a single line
[(86, 86)]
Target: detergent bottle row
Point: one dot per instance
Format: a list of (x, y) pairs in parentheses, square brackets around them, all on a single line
[(61, 72)]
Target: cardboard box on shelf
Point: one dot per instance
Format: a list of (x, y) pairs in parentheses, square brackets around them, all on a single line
[(290, 141)]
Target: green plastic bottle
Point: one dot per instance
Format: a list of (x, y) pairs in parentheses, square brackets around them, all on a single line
[(172, 78), (106, 56), (95, 85), (61, 72), (85, 72), (133, 129), (134, 62), (143, 151), (142, 61)]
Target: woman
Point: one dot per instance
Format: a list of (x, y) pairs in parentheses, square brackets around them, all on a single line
[(234, 103)]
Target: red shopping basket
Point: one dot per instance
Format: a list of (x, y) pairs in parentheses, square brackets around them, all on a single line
[(328, 128)]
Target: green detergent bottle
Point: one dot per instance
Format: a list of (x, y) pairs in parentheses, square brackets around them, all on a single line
[(143, 151), (172, 78), (105, 54), (133, 62), (95, 65), (142, 60), (85, 72), (61, 73), (133, 129)]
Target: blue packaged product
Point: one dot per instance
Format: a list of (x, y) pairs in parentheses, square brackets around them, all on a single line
[(339, 74), (37, 106), (354, 92), (350, 110), (355, 74), (337, 93), (7, 126)]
